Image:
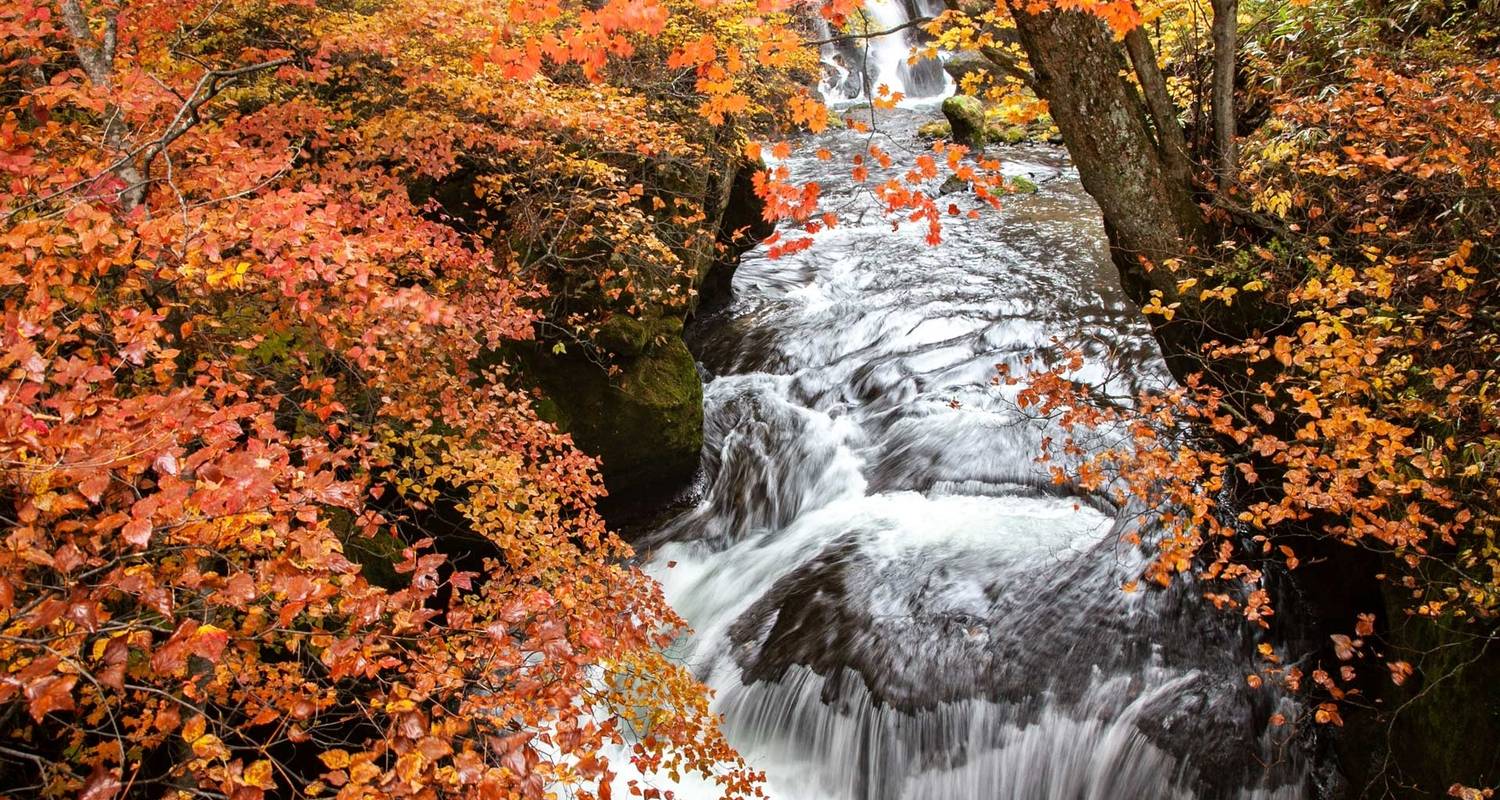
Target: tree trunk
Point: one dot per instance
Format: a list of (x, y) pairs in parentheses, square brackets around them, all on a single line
[(1226, 51), (1150, 212), (1169, 136), (97, 58)]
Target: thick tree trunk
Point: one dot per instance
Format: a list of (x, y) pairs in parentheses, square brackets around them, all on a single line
[(1150, 212)]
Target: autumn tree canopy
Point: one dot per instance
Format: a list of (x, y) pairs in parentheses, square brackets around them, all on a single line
[(277, 517)]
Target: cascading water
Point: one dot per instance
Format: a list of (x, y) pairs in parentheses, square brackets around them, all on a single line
[(855, 68), (890, 598)]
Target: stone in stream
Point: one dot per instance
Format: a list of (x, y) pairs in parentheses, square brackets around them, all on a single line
[(934, 628), (966, 120), (965, 63)]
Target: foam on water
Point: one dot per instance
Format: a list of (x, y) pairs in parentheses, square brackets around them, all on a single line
[(889, 595)]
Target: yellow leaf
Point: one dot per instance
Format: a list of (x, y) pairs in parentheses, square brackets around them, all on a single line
[(334, 759), (259, 775), (208, 746)]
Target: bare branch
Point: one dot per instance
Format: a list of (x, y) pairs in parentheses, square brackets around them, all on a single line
[(912, 23)]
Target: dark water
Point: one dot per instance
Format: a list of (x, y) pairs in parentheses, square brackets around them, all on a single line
[(890, 598)]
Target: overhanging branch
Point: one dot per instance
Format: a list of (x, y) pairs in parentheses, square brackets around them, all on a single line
[(872, 35)]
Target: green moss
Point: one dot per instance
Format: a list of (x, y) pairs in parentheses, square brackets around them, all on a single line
[(644, 422), (937, 129), (1438, 728), (1009, 134), (1021, 184), (377, 556), (965, 116), (623, 335)]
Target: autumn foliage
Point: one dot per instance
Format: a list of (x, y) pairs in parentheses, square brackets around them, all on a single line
[(277, 517), (1341, 396)]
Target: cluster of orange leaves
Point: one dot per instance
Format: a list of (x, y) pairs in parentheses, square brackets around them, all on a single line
[(1365, 410), (277, 518)]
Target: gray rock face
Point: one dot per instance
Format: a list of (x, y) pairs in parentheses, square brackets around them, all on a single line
[(965, 63)]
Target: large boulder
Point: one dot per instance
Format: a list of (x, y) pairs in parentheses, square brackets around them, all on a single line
[(966, 120), (965, 63), (620, 378)]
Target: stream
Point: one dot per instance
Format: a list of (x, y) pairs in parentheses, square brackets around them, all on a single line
[(888, 595)]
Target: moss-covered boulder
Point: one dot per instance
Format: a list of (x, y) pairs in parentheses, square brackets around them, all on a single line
[(1441, 726), (610, 359), (624, 335), (644, 422), (965, 116)]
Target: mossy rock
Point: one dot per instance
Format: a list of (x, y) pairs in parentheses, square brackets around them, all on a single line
[(644, 423), (1009, 134), (1021, 184), (624, 335), (377, 557), (742, 224), (1441, 726), (937, 129), (965, 63), (965, 116)]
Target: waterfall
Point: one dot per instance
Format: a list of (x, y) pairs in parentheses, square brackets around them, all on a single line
[(890, 598), (854, 68)]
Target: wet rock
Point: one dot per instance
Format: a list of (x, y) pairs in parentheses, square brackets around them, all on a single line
[(937, 129), (966, 120), (965, 63), (742, 225), (644, 423)]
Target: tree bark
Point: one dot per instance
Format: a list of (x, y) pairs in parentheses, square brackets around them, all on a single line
[(1150, 211), (1170, 138), (1226, 51), (97, 58)]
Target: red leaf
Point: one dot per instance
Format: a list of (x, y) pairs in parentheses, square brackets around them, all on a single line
[(137, 532), (52, 693)]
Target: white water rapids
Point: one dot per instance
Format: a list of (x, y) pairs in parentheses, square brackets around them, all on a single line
[(889, 598)]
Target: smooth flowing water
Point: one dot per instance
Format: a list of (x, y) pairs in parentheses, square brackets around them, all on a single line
[(890, 598)]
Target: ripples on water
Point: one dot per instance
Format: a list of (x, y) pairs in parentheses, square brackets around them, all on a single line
[(890, 599)]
